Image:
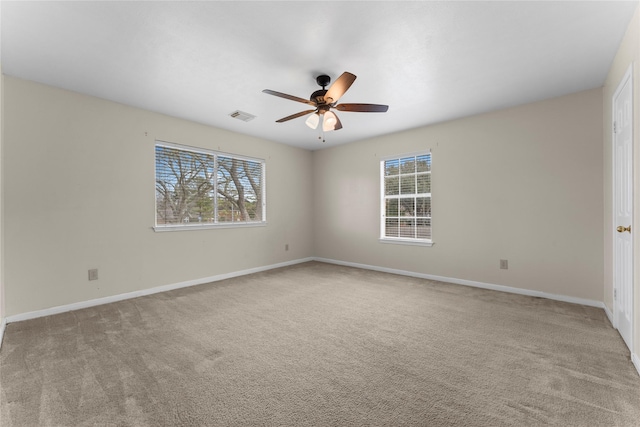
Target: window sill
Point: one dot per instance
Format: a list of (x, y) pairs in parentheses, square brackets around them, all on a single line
[(163, 228), (411, 242)]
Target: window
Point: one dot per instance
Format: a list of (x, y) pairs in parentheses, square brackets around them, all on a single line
[(197, 188), (406, 199)]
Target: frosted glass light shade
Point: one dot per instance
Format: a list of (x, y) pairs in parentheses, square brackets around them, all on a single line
[(329, 122), (313, 120)]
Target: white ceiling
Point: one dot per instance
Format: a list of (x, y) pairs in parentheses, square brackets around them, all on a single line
[(430, 61)]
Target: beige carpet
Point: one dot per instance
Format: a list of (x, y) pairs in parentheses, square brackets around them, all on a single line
[(320, 345)]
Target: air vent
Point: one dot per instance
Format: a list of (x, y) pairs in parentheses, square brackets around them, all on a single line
[(241, 115)]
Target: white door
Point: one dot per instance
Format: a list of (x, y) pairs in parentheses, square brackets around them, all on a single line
[(623, 207)]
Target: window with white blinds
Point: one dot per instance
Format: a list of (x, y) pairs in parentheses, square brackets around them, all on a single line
[(202, 188), (406, 199)]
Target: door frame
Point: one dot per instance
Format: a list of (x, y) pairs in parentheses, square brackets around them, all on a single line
[(627, 77)]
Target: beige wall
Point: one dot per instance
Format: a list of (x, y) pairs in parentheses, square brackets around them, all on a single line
[(2, 301), (522, 184), (628, 54), (79, 194)]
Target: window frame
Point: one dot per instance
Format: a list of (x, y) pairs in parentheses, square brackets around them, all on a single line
[(383, 238), (216, 224)]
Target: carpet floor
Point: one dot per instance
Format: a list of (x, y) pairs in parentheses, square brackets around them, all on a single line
[(320, 345)]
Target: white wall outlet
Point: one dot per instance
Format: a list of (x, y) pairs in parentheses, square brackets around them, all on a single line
[(93, 274), (504, 264)]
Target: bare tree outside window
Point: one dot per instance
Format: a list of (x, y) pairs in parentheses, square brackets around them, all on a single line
[(239, 190), (197, 187)]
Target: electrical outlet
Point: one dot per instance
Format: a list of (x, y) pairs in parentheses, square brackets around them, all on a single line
[(504, 264), (286, 247), (93, 274)]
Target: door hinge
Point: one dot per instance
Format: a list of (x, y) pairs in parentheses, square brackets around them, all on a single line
[(614, 127), (615, 294)]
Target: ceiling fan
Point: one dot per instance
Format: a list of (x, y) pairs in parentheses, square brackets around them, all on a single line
[(326, 99)]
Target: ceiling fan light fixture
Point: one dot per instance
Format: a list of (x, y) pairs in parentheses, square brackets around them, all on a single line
[(329, 122), (313, 120)]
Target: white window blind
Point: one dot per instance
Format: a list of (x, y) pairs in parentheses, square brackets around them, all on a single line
[(197, 187), (406, 198)]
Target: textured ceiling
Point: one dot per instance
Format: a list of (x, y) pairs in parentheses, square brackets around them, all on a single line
[(430, 61)]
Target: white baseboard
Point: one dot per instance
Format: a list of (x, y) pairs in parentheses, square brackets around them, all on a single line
[(3, 325), (502, 288), (609, 315), (136, 294), (636, 362)]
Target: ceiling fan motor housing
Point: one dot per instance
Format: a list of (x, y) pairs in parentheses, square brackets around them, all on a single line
[(318, 96)]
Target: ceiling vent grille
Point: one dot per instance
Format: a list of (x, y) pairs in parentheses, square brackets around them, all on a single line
[(241, 115)]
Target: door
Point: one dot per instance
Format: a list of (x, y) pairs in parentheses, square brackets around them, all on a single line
[(623, 207)]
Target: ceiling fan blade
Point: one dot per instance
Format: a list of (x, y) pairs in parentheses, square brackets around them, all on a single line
[(363, 108), (339, 87), (291, 97), (295, 116)]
